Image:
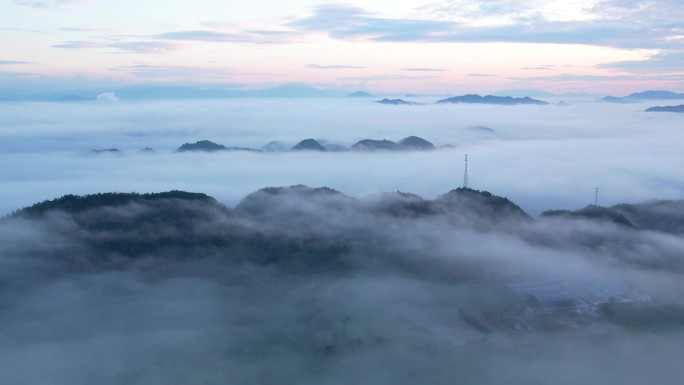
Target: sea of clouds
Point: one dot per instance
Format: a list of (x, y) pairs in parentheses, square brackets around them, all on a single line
[(392, 315), (541, 157)]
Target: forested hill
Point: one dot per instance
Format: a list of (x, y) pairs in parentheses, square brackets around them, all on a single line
[(300, 227), (79, 203), (294, 227)]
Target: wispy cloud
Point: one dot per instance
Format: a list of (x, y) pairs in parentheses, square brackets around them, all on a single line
[(424, 69), (173, 40), (540, 68), (78, 44), (174, 72), (504, 12), (568, 78), (346, 22), (481, 75), (210, 36), (14, 62), (246, 36), (670, 62), (20, 30), (331, 67), (603, 23), (147, 47), (389, 77), (49, 3), (76, 29), (142, 47)]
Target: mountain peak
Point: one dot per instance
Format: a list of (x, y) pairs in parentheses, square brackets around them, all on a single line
[(396, 102), (592, 212), (415, 143), (309, 145), (482, 203), (679, 108), (201, 145), (360, 94), (79, 203), (491, 99)]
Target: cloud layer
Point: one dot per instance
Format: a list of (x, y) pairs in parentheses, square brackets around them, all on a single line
[(620, 46), (542, 157), (314, 288), (49, 3)]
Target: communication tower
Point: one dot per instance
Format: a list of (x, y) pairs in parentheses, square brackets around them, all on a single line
[(596, 198), (465, 173)]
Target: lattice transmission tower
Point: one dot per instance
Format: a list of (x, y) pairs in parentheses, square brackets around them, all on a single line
[(465, 173)]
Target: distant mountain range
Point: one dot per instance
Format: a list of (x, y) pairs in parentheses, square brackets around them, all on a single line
[(220, 91), (644, 96), (411, 143), (491, 99), (519, 93), (679, 108), (154, 91), (397, 102), (360, 94)]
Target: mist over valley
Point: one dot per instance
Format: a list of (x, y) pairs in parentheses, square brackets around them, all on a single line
[(310, 285)]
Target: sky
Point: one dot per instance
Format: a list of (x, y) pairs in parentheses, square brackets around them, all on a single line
[(450, 46)]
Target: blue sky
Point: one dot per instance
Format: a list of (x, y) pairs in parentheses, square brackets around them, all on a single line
[(605, 46)]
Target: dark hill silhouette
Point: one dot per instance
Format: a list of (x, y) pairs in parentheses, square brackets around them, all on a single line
[(115, 229), (209, 146), (592, 212), (270, 199), (396, 102), (106, 151), (373, 145), (415, 143), (201, 145), (679, 108), (78, 203), (400, 204), (491, 99), (660, 215), (295, 227), (482, 204), (411, 143), (309, 145)]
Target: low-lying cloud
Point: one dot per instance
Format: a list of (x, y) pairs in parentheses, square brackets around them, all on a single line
[(304, 286), (542, 157), (107, 97)]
